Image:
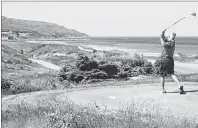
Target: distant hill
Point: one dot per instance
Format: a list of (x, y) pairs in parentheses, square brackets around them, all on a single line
[(36, 29)]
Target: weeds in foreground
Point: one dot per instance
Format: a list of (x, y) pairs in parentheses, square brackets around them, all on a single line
[(32, 83), (54, 113)]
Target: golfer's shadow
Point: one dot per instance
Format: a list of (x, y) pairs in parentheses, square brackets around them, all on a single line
[(182, 93)]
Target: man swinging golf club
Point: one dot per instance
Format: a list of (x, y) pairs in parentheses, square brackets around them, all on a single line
[(167, 62)]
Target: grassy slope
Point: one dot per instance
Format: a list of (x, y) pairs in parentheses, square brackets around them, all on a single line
[(21, 45), (11, 56), (14, 63), (39, 29)]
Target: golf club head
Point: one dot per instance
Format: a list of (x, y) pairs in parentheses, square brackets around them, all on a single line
[(193, 14)]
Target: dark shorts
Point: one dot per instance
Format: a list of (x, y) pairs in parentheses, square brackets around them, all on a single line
[(167, 66)]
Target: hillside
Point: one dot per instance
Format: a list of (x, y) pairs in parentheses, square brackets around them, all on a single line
[(12, 56), (13, 61), (37, 29)]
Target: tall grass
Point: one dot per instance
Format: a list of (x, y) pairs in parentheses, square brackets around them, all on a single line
[(55, 113), (32, 83)]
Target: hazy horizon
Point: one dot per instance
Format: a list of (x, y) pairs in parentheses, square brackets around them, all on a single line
[(110, 19)]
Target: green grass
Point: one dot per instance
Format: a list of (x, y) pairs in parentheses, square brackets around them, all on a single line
[(50, 112)]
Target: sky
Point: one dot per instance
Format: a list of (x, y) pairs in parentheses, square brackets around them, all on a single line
[(110, 18)]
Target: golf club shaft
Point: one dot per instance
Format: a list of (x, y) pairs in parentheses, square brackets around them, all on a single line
[(176, 22)]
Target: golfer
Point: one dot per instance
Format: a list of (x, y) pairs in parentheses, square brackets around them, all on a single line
[(167, 62)]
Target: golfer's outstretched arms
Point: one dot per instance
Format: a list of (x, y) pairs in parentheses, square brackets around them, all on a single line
[(162, 38)]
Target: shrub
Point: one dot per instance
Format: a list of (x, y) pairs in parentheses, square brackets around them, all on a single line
[(66, 68), (156, 66), (9, 61), (102, 62), (147, 68), (56, 84), (5, 83), (126, 68), (110, 54), (87, 69), (62, 76), (10, 37), (110, 69), (78, 78), (96, 74), (63, 73), (133, 62), (24, 86), (122, 74), (93, 81), (75, 76), (85, 64)]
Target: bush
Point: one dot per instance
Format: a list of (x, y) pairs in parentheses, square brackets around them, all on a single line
[(87, 69), (62, 76), (93, 81), (9, 61), (5, 84), (63, 73), (56, 84), (156, 66), (147, 68), (133, 62), (110, 69), (23, 87), (96, 74), (85, 64), (74, 76), (122, 74)]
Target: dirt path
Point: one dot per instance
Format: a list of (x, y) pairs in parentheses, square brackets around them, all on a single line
[(46, 64), (83, 48), (115, 97)]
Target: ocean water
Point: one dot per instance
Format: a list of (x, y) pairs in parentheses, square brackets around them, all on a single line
[(184, 45)]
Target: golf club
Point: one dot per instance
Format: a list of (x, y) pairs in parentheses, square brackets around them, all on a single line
[(193, 14)]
